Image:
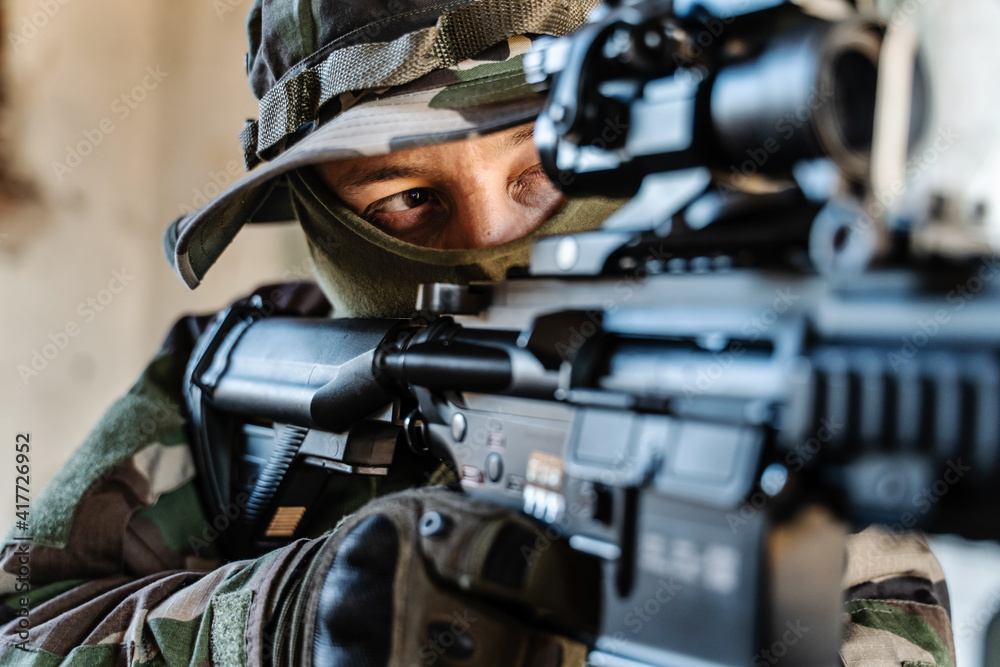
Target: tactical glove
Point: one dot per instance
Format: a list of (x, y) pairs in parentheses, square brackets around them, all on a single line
[(429, 577)]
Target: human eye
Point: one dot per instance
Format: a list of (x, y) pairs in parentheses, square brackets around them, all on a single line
[(533, 188), (406, 215), (535, 171), (401, 201)]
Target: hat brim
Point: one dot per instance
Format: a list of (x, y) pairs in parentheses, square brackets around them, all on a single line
[(392, 121)]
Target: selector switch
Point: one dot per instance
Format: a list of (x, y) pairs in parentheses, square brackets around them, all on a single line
[(494, 467), (458, 427)]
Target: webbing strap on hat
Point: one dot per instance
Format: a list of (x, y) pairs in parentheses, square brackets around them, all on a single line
[(458, 34)]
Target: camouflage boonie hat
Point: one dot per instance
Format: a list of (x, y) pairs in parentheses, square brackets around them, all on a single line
[(347, 78)]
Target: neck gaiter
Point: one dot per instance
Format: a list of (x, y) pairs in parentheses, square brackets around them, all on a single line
[(364, 272)]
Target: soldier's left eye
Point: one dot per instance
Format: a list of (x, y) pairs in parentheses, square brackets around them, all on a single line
[(402, 201), (411, 214)]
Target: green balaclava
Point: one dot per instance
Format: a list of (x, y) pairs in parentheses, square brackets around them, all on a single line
[(364, 272)]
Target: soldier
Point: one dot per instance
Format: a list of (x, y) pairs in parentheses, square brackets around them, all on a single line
[(398, 133)]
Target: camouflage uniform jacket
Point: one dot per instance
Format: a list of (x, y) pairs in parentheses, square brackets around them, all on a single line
[(124, 567)]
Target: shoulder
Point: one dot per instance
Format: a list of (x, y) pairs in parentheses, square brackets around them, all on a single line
[(896, 609)]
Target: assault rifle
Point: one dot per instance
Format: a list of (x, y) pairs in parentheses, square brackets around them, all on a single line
[(740, 342)]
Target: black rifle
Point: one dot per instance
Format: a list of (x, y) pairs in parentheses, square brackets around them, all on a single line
[(671, 392)]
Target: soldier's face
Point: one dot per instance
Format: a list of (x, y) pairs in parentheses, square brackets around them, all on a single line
[(465, 194)]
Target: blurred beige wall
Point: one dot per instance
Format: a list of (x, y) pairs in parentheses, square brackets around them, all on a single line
[(67, 66)]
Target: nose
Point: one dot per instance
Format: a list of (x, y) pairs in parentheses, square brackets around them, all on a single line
[(484, 215)]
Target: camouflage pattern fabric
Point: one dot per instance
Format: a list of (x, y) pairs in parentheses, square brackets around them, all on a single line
[(124, 566), (897, 610), (458, 34)]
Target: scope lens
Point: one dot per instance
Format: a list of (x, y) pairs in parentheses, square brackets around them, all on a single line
[(855, 78)]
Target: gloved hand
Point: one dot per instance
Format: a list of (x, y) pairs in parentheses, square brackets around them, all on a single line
[(430, 577)]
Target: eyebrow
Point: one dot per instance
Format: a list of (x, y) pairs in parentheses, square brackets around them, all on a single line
[(381, 174), (391, 172), (515, 139)]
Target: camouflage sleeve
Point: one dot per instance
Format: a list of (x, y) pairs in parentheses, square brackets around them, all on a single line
[(109, 563), (120, 564), (896, 610)]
